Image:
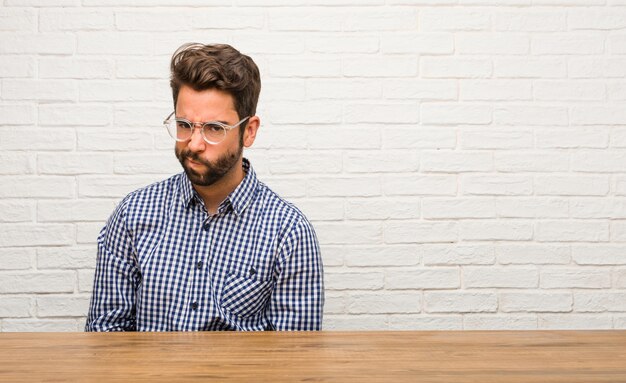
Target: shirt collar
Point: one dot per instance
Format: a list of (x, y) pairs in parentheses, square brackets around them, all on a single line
[(239, 198)]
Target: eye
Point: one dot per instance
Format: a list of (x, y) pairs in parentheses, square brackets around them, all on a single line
[(214, 128), (181, 124)]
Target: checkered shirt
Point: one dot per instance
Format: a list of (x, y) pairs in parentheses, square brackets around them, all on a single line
[(165, 264)]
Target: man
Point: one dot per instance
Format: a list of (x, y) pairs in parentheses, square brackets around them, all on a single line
[(211, 248)]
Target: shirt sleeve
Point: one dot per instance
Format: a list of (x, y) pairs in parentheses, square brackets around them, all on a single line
[(112, 306), (297, 301)]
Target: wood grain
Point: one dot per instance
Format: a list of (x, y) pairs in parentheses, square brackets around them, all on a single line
[(429, 356)]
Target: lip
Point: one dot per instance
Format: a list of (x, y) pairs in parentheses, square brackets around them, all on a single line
[(192, 162)]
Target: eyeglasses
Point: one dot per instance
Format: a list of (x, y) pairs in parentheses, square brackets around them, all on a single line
[(213, 132)]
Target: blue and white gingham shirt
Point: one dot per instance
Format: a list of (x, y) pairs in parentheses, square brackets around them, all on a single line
[(165, 264)]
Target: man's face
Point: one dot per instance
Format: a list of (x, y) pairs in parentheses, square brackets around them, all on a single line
[(207, 163)]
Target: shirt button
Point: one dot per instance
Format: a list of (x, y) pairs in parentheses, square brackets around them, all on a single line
[(199, 265), (194, 306)]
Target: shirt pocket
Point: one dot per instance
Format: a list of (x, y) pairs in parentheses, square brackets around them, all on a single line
[(245, 296)]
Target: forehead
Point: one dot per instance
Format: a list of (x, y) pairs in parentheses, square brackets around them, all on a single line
[(207, 104)]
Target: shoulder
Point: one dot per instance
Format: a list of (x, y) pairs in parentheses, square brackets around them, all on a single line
[(152, 196)]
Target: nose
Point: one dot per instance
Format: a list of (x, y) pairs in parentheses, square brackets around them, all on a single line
[(196, 142)]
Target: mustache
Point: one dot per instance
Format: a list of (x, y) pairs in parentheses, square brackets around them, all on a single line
[(193, 156)]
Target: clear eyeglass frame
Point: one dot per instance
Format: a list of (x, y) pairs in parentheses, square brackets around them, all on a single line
[(213, 132)]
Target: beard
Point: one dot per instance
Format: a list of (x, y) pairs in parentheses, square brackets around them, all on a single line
[(215, 170)]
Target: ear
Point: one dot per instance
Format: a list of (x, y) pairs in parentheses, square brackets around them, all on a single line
[(249, 135)]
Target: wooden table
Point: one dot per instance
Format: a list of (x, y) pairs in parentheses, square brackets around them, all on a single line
[(428, 356)]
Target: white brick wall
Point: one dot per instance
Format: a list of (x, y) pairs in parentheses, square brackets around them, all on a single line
[(463, 161)]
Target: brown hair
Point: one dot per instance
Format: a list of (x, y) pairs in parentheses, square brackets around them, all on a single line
[(217, 66)]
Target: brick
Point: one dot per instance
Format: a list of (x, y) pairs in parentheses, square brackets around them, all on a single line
[(572, 185), (383, 208), (599, 161), (310, 162), (36, 235), (397, 231), (348, 233), (75, 210), (600, 301), (353, 281), (269, 44), (286, 187), (37, 43), (344, 89), (174, 20), (387, 255), (37, 282), (309, 112), (599, 254), (620, 186), (62, 306), (343, 186), (112, 186), (496, 139), (385, 303), (41, 3), (379, 66), (530, 68), (619, 278), (354, 322), (535, 302), (305, 20), (575, 278), (458, 254), (115, 43), (74, 115), (423, 278), (484, 90), (40, 325), (449, 19), (500, 277), (438, 185), (590, 137), (380, 20), (17, 163), (609, 67), (16, 258), (423, 43), (504, 185), (87, 232), (618, 231), (41, 90), (156, 3), (329, 137), (141, 68), (380, 162), (135, 114), (114, 139), (37, 187), (605, 207), (572, 231), (420, 89), (17, 211), (321, 209), (17, 114), (567, 44), (531, 161), (535, 207), (16, 66), (118, 90), (456, 114), (459, 302), (453, 161), (17, 19), (53, 20), (74, 257), (411, 138), (495, 2), (15, 307), (85, 280), (402, 322), (75, 163), (617, 44), (453, 67), (495, 230), (159, 163), (223, 19), (502, 43), (381, 113), (71, 68), (458, 208), (616, 91), (530, 115), (574, 322), (568, 90), (530, 21), (533, 254), (499, 322)]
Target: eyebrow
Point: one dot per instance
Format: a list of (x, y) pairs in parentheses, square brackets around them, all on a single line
[(204, 122)]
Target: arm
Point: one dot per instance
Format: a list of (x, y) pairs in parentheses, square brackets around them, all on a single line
[(112, 306), (297, 301)]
